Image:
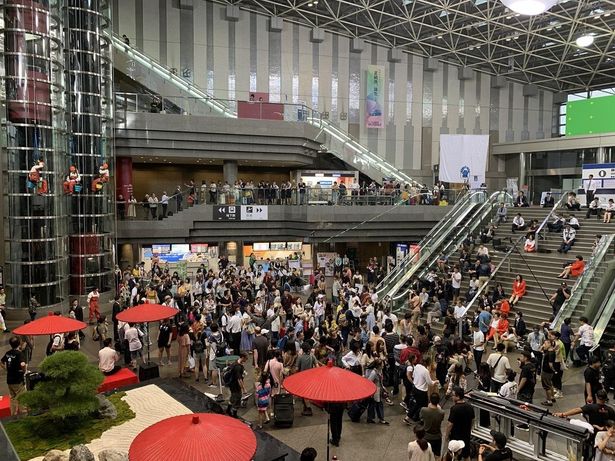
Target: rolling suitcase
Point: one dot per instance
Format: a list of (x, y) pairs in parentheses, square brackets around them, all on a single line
[(283, 410), (356, 410)]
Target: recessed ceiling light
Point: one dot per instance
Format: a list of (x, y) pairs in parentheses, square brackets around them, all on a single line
[(529, 7), (585, 40)]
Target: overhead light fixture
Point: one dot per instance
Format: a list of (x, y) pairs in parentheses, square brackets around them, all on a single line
[(529, 7), (585, 40)]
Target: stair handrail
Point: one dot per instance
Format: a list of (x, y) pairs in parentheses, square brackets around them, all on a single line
[(507, 255), (430, 251), (604, 316), (583, 280), (225, 110), (455, 209), (164, 72)]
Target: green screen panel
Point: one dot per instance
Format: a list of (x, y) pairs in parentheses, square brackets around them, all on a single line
[(590, 116)]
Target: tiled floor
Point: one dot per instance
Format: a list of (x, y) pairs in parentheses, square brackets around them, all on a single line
[(359, 440)]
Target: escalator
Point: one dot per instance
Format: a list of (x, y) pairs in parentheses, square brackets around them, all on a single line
[(179, 92), (477, 216)]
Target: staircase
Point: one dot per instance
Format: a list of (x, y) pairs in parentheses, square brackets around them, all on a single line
[(540, 270), (193, 100)]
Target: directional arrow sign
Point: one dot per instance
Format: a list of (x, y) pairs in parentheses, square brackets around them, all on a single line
[(254, 213), (226, 213)]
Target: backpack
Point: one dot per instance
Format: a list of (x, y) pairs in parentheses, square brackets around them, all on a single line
[(48, 349), (282, 342), (198, 346), (95, 334), (220, 346)]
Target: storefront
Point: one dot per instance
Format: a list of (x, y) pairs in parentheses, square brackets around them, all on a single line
[(185, 258), (295, 254), (326, 178)]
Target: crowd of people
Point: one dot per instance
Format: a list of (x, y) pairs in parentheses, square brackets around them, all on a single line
[(256, 315), (288, 192)]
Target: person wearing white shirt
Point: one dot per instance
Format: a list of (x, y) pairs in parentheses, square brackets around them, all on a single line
[(456, 283), (568, 237), (234, 329), (459, 310), (352, 360), (500, 365), (421, 377), (585, 336), (107, 358), (164, 201), (133, 294), (590, 189), (518, 223), (573, 222), (478, 345), (510, 388), (608, 211), (594, 208)]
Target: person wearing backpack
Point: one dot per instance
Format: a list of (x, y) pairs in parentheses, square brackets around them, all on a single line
[(15, 365), (198, 352), (216, 347), (233, 379)]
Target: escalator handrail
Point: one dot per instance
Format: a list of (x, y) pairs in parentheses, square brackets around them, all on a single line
[(581, 283), (430, 251), (604, 316), (454, 243), (508, 253), (179, 81), (423, 243)]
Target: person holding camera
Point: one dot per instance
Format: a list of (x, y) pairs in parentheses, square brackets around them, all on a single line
[(497, 450)]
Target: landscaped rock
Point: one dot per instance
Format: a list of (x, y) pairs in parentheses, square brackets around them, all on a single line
[(56, 455), (81, 453), (112, 455), (106, 409)]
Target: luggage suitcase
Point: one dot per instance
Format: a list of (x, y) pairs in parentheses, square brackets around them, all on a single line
[(356, 410), (283, 410)]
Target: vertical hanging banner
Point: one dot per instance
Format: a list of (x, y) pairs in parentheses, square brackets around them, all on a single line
[(374, 100), (463, 158)]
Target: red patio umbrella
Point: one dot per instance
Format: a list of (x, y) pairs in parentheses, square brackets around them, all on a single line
[(329, 385), (49, 325), (195, 437), (145, 313)]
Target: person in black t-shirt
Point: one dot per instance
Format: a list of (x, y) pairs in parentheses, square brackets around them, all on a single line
[(460, 418), (497, 451), (527, 378), (236, 385), (591, 376), (15, 366), (164, 341), (597, 414)]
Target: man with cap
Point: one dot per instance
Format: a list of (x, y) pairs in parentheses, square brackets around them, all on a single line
[(260, 346), (497, 451), (549, 201)]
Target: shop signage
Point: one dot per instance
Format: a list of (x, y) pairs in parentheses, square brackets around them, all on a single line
[(226, 213), (254, 213)]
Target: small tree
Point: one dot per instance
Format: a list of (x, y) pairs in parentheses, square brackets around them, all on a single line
[(68, 393)]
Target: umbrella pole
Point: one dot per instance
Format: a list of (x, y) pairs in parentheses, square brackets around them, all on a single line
[(148, 341), (328, 431)]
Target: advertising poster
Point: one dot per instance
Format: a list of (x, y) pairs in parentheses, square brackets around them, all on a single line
[(374, 100), (326, 261)]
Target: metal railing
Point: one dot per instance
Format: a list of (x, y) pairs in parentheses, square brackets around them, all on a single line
[(485, 285), (336, 140), (434, 250), (604, 317), (483, 214), (143, 209), (578, 291), (456, 214)]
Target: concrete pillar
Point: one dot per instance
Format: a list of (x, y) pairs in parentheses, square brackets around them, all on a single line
[(522, 170), (123, 177), (230, 171), (601, 155)]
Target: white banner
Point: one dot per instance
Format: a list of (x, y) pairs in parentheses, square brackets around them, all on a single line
[(463, 158), (254, 213)]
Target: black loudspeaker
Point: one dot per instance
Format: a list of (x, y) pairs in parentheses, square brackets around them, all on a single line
[(149, 371)]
